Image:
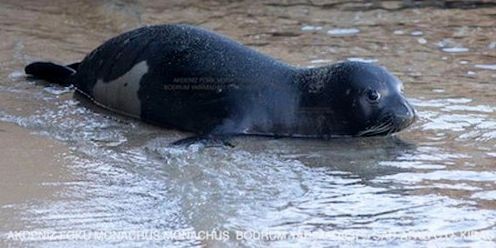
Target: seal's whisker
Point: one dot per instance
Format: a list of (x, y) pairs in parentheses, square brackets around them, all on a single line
[(372, 130), (385, 127)]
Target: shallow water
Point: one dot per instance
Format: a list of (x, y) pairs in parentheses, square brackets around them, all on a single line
[(433, 184)]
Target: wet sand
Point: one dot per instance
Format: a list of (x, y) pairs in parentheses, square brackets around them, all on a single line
[(33, 170), (29, 163)]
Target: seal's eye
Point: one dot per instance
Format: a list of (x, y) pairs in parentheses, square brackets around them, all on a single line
[(373, 96)]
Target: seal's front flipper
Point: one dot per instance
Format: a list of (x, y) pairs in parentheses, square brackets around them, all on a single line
[(205, 140), (51, 72)]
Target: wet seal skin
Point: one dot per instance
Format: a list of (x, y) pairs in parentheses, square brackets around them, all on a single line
[(189, 78)]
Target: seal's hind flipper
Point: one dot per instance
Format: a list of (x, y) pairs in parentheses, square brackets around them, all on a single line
[(51, 72), (207, 141), (74, 66)]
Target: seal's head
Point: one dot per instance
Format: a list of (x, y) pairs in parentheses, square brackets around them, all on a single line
[(365, 99)]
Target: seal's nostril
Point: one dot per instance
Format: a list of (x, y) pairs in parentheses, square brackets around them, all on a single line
[(405, 115), (414, 113), (409, 111)]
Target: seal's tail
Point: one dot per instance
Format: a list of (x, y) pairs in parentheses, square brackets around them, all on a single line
[(51, 72)]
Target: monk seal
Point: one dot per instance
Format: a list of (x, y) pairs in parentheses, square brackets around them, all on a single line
[(195, 80)]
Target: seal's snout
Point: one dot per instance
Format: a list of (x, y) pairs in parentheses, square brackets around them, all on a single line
[(392, 120), (404, 116)]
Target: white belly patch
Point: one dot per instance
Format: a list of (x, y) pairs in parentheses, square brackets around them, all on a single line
[(121, 94)]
